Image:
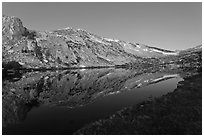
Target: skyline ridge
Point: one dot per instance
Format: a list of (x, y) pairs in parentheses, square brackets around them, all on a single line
[(165, 25)]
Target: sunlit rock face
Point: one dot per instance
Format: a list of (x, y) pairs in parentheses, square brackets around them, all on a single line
[(69, 47), (80, 87), (12, 27)]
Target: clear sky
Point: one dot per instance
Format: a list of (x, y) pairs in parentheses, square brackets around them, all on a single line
[(165, 25)]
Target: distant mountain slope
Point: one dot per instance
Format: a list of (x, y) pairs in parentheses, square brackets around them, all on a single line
[(68, 48)]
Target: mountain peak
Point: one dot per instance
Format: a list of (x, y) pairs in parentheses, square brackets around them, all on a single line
[(12, 26), (69, 47)]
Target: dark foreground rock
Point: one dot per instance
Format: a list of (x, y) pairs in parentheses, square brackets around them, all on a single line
[(179, 112)]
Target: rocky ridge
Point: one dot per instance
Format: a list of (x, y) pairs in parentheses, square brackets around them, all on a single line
[(69, 47)]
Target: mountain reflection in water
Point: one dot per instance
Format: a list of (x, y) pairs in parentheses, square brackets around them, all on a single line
[(61, 102)]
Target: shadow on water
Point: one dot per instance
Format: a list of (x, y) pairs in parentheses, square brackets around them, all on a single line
[(60, 102), (11, 75)]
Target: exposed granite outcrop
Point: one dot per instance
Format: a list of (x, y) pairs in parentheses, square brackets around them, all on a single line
[(69, 47)]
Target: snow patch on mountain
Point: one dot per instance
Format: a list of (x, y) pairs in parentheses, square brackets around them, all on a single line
[(98, 40), (138, 46), (108, 39), (165, 53), (82, 66)]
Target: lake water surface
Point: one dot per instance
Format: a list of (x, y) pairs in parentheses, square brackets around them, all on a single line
[(62, 102)]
